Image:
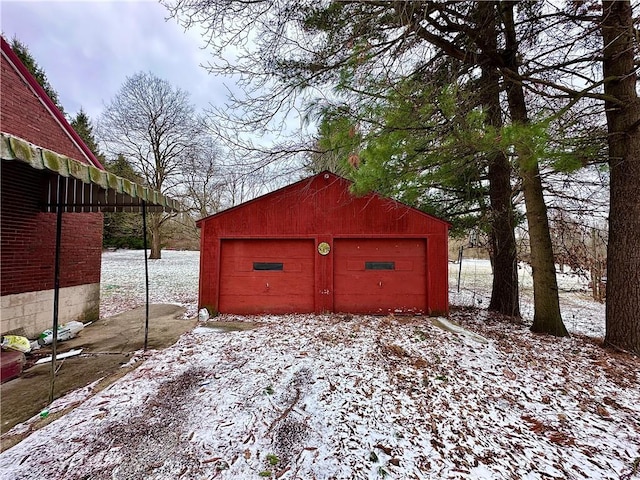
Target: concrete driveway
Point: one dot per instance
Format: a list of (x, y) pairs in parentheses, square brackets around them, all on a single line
[(107, 345)]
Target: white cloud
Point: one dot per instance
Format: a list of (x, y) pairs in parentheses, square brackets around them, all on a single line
[(87, 49)]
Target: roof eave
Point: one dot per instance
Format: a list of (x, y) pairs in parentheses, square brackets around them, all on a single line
[(130, 195)]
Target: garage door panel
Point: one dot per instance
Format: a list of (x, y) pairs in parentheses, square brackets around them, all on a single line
[(380, 275), (361, 265), (286, 266), (266, 276), (387, 304), (381, 285), (257, 304), (256, 284), (378, 247)]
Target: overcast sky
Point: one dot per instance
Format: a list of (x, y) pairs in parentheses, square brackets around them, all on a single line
[(88, 48)]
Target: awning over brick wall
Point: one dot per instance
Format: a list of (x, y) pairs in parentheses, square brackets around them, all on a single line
[(85, 188)]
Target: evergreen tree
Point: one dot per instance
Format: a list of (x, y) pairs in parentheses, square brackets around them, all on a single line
[(621, 41), (537, 60), (23, 53), (81, 123), (122, 229)]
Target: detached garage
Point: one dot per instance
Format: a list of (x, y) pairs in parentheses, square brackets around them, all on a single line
[(314, 247)]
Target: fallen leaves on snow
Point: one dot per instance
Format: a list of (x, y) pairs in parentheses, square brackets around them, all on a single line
[(342, 397)]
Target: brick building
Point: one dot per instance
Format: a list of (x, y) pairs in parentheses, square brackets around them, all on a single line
[(41, 156), (27, 233)]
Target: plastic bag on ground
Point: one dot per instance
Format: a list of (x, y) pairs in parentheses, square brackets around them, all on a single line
[(65, 332), (16, 342)]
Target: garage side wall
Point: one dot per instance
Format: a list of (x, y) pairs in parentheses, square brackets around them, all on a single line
[(209, 269), (437, 254)]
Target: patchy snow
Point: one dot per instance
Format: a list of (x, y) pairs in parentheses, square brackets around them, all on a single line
[(353, 397), (172, 279), (580, 313)]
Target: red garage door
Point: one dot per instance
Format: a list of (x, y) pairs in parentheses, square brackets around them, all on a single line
[(266, 276), (380, 275)]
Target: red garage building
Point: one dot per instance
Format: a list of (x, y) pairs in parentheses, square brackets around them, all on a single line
[(314, 247)]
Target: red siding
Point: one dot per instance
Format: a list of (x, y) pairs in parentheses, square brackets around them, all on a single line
[(322, 209), (22, 114), (28, 237), (318, 206)]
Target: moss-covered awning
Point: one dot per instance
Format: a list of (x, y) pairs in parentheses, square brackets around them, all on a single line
[(85, 188)]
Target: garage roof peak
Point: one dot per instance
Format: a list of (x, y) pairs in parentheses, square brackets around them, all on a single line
[(313, 185)]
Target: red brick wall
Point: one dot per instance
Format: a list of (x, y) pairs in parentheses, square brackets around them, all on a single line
[(23, 115), (28, 237)]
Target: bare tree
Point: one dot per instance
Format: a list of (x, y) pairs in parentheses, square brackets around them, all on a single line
[(203, 182), (155, 127), (242, 184), (581, 247)]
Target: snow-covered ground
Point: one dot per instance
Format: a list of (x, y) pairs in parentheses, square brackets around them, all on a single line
[(352, 397), (172, 279), (580, 313)]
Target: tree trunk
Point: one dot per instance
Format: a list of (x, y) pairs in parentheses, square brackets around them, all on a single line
[(504, 291), (546, 304), (155, 222), (546, 317), (623, 124)]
